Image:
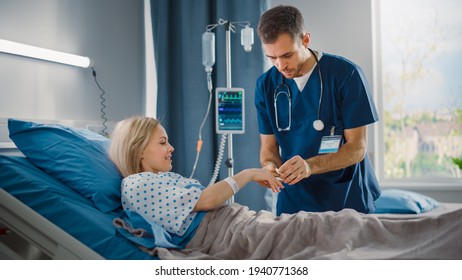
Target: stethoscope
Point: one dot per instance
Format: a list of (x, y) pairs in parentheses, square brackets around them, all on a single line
[(284, 90)]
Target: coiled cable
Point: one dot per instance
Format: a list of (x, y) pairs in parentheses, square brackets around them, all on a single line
[(103, 106), (221, 151)]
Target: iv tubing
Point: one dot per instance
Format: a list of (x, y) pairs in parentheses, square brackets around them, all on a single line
[(200, 142)]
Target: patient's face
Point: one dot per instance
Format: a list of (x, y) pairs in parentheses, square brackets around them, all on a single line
[(157, 157)]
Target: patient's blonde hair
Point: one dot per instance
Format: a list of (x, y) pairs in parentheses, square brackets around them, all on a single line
[(128, 142)]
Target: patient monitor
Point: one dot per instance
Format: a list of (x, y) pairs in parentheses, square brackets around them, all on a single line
[(229, 110)]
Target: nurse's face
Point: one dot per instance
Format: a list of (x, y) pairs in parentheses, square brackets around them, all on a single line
[(157, 156), (289, 56)]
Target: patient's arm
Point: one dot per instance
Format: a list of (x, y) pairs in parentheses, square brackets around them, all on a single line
[(218, 193)]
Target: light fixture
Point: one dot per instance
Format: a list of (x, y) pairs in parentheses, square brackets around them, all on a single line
[(44, 54)]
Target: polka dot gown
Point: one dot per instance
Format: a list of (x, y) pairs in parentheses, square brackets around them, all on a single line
[(164, 198)]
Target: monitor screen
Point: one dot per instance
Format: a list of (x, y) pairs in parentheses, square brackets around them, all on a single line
[(230, 110)]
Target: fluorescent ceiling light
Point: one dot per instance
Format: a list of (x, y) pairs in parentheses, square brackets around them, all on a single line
[(44, 54)]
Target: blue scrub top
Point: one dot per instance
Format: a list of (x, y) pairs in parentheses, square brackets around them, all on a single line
[(346, 103)]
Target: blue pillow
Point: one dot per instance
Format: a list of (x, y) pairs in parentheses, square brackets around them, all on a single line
[(76, 157), (396, 201)]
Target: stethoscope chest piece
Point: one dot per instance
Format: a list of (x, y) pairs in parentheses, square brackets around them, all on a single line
[(318, 125)]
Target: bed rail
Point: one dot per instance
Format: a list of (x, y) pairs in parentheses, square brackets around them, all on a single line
[(51, 240)]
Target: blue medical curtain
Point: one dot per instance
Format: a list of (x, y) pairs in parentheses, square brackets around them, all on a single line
[(182, 85)]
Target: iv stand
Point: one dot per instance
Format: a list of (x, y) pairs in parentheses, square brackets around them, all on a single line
[(229, 27), (229, 162)]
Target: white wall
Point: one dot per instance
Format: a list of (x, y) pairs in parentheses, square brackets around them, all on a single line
[(111, 32)]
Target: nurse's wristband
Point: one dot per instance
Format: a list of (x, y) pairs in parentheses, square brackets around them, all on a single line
[(233, 184), (308, 169)]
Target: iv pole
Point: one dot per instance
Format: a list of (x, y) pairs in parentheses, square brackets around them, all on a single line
[(229, 162), (247, 42)]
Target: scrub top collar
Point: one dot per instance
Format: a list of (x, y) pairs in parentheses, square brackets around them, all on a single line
[(301, 81)]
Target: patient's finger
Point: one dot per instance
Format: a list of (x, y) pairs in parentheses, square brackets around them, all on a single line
[(276, 185)]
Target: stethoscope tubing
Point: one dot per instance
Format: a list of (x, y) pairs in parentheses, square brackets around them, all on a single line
[(289, 97), (317, 124)]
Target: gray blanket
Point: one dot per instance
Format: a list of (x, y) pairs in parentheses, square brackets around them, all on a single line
[(234, 232)]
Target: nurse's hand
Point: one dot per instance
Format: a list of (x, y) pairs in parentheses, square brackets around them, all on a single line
[(294, 170), (271, 167)]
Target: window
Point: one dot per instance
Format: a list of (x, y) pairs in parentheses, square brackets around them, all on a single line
[(418, 81)]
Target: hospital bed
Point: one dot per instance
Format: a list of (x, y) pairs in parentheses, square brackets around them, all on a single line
[(44, 214)]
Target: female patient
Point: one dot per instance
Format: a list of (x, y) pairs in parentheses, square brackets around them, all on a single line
[(141, 151)]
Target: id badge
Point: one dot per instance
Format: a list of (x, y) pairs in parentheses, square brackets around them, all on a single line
[(330, 144)]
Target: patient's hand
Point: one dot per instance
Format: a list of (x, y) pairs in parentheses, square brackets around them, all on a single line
[(267, 179)]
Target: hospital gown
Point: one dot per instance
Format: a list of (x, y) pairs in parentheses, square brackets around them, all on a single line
[(164, 198)]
